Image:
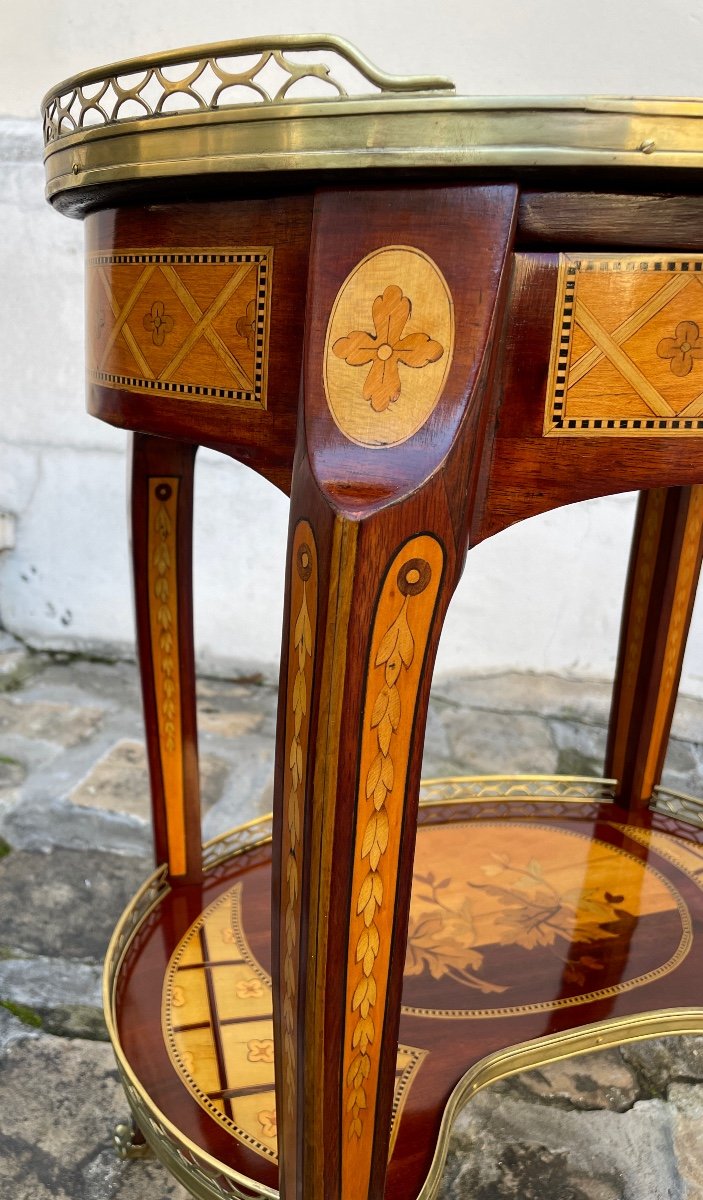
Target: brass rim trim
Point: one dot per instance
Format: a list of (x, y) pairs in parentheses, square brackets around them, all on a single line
[(392, 121), (168, 1141), (540, 1052), (479, 789), (424, 133), (679, 805)]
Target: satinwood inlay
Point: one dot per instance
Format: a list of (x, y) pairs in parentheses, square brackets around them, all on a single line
[(218, 1027), (626, 347), (163, 619), (181, 322), (399, 638), (389, 346)]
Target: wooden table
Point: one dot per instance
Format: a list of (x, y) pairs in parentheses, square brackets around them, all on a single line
[(424, 317)]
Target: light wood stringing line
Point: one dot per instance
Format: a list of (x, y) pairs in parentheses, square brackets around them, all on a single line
[(619, 359)]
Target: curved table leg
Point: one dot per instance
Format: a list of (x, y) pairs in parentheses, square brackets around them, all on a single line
[(665, 564), (376, 546), (162, 515)]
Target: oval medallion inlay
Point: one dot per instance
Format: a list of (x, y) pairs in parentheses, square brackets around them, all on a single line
[(389, 346)]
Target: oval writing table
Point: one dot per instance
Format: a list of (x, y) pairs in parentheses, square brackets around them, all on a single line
[(424, 317)]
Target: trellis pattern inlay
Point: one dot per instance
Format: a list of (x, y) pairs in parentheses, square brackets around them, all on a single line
[(181, 322), (626, 358)]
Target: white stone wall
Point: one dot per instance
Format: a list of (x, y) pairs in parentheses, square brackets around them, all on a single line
[(542, 597)]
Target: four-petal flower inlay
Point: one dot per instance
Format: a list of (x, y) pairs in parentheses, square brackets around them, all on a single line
[(683, 348), (267, 1121), (158, 322), (260, 1050), (249, 988), (246, 325), (386, 348)]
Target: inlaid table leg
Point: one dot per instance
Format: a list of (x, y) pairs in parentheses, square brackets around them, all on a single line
[(404, 295), (665, 564), (162, 517)]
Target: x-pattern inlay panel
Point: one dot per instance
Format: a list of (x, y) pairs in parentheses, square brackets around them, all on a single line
[(178, 321), (627, 347)]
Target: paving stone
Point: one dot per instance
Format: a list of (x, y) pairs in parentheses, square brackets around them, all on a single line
[(65, 903), (488, 743), (682, 768), (12, 774), (537, 695), (12, 1030), (687, 1103), (119, 781), (65, 725), (660, 1062), (590, 1081), (75, 1021), (46, 983), (40, 824), (686, 724), (507, 1149), (17, 664), (581, 747), (620, 1125), (528, 1172), (248, 791), (112, 685), (227, 724), (60, 1101), (218, 698)]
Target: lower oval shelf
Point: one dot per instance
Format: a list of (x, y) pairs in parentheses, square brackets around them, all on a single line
[(575, 934)]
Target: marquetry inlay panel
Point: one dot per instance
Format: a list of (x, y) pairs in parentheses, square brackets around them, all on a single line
[(218, 1027), (163, 624), (401, 630), (491, 910), (301, 651), (627, 347), (181, 322), (389, 346)]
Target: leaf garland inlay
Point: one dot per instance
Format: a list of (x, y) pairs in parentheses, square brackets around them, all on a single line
[(165, 617), (386, 348), (300, 669), (394, 655)]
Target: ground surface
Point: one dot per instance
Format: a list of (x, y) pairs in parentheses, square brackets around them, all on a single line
[(622, 1125)]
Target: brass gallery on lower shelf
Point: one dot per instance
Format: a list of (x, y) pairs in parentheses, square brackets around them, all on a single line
[(208, 1178)]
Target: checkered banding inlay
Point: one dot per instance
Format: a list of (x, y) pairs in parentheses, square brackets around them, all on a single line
[(181, 322), (627, 347)]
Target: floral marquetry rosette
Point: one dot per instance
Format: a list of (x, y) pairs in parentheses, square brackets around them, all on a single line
[(389, 346), (490, 912)]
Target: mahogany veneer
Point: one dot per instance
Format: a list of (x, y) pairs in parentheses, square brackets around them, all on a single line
[(422, 347)]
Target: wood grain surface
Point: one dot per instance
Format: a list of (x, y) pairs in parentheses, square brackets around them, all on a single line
[(412, 364), (521, 927)]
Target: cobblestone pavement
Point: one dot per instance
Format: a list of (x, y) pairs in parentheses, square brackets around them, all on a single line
[(621, 1125)]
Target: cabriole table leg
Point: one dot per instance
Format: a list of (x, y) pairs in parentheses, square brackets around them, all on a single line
[(162, 517), (377, 537), (663, 576)]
